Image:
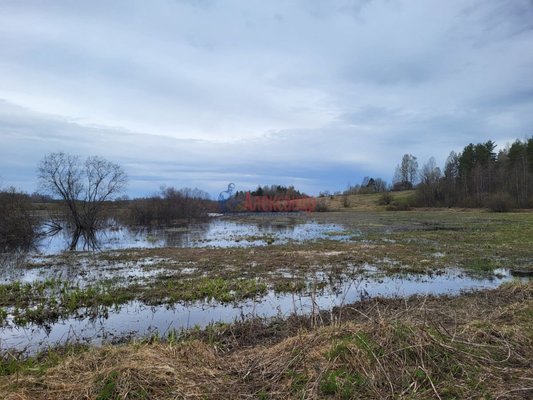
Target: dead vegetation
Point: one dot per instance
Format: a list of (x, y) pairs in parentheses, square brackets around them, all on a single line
[(478, 345), (18, 227)]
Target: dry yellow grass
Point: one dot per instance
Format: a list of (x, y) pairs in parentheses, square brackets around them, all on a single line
[(362, 202), (186, 370)]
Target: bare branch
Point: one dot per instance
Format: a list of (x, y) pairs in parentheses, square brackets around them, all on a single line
[(84, 187)]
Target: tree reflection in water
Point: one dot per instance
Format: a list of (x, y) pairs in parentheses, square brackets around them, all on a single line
[(84, 239)]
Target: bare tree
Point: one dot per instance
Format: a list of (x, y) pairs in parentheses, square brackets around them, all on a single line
[(407, 172), (430, 174), (83, 186), (413, 170)]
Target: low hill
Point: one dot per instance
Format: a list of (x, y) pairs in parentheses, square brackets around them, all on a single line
[(369, 202)]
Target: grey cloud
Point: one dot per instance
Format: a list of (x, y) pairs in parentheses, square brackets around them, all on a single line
[(312, 92), (503, 21)]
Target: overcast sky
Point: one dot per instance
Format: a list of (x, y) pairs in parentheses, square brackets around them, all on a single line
[(312, 93)]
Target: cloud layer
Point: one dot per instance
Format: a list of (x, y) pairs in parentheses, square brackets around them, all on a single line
[(311, 93)]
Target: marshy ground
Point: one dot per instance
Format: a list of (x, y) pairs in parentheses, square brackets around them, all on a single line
[(478, 345), (281, 299)]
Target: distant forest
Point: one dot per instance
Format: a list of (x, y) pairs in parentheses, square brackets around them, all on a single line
[(480, 177)]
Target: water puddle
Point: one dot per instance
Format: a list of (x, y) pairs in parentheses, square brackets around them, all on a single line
[(86, 269), (136, 319)]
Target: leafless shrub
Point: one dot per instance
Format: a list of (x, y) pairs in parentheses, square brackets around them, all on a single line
[(346, 201), (321, 205), (169, 206), (18, 228), (385, 199), (500, 202)]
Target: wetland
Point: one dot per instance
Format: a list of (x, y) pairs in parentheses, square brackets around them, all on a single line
[(136, 282)]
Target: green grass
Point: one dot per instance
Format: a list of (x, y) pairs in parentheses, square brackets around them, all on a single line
[(108, 389), (30, 304), (219, 289), (341, 382), (3, 316), (286, 285), (43, 302)]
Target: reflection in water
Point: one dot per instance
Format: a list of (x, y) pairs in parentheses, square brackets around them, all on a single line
[(136, 319), (217, 232), (89, 242)]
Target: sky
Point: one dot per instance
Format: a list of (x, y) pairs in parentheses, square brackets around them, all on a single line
[(311, 93)]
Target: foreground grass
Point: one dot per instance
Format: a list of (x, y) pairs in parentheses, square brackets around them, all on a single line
[(478, 345)]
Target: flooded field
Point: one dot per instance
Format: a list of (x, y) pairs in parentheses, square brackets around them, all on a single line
[(217, 232), (141, 282), (135, 319)]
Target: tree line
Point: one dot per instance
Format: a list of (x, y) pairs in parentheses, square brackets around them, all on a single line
[(478, 176), (170, 205)]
